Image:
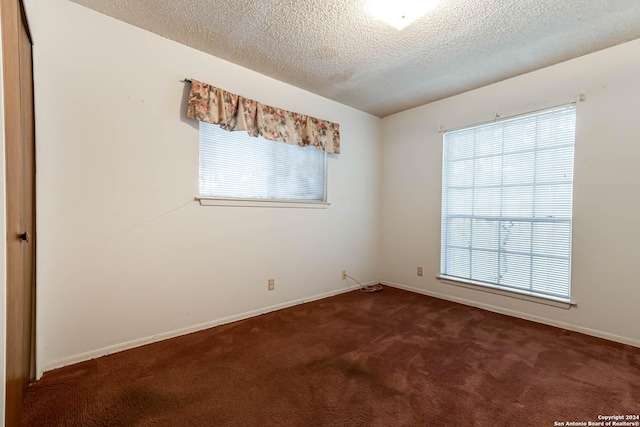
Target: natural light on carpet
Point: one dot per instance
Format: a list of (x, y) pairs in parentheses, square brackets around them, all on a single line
[(400, 13)]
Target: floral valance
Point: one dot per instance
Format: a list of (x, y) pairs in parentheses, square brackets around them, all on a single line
[(233, 112)]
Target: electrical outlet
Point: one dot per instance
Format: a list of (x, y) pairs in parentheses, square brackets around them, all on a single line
[(344, 274), (272, 284), (419, 271)]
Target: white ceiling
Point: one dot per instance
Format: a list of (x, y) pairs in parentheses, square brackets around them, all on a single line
[(335, 49)]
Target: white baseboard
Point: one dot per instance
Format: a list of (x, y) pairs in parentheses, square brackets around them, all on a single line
[(519, 314), (69, 360)]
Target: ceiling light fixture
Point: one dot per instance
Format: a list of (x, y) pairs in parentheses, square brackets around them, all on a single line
[(400, 13)]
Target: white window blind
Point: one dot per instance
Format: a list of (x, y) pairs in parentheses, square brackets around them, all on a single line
[(238, 166), (507, 191)]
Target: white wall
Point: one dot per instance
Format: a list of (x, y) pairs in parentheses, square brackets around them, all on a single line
[(125, 256), (606, 231)]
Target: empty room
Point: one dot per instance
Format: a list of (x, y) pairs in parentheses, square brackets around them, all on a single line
[(320, 213)]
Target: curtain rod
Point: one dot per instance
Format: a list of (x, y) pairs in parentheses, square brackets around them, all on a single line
[(581, 98)]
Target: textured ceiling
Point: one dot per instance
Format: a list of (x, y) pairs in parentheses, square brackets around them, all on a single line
[(335, 49)]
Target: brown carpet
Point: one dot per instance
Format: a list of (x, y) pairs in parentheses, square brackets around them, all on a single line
[(391, 358)]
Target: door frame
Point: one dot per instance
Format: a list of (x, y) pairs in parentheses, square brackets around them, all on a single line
[(19, 215)]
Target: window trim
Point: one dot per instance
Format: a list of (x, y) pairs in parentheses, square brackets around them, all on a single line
[(262, 203), (511, 293)]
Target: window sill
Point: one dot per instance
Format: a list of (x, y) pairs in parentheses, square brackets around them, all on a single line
[(518, 294), (258, 203)]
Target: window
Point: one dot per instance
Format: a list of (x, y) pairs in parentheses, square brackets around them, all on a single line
[(234, 165), (507, 191)]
